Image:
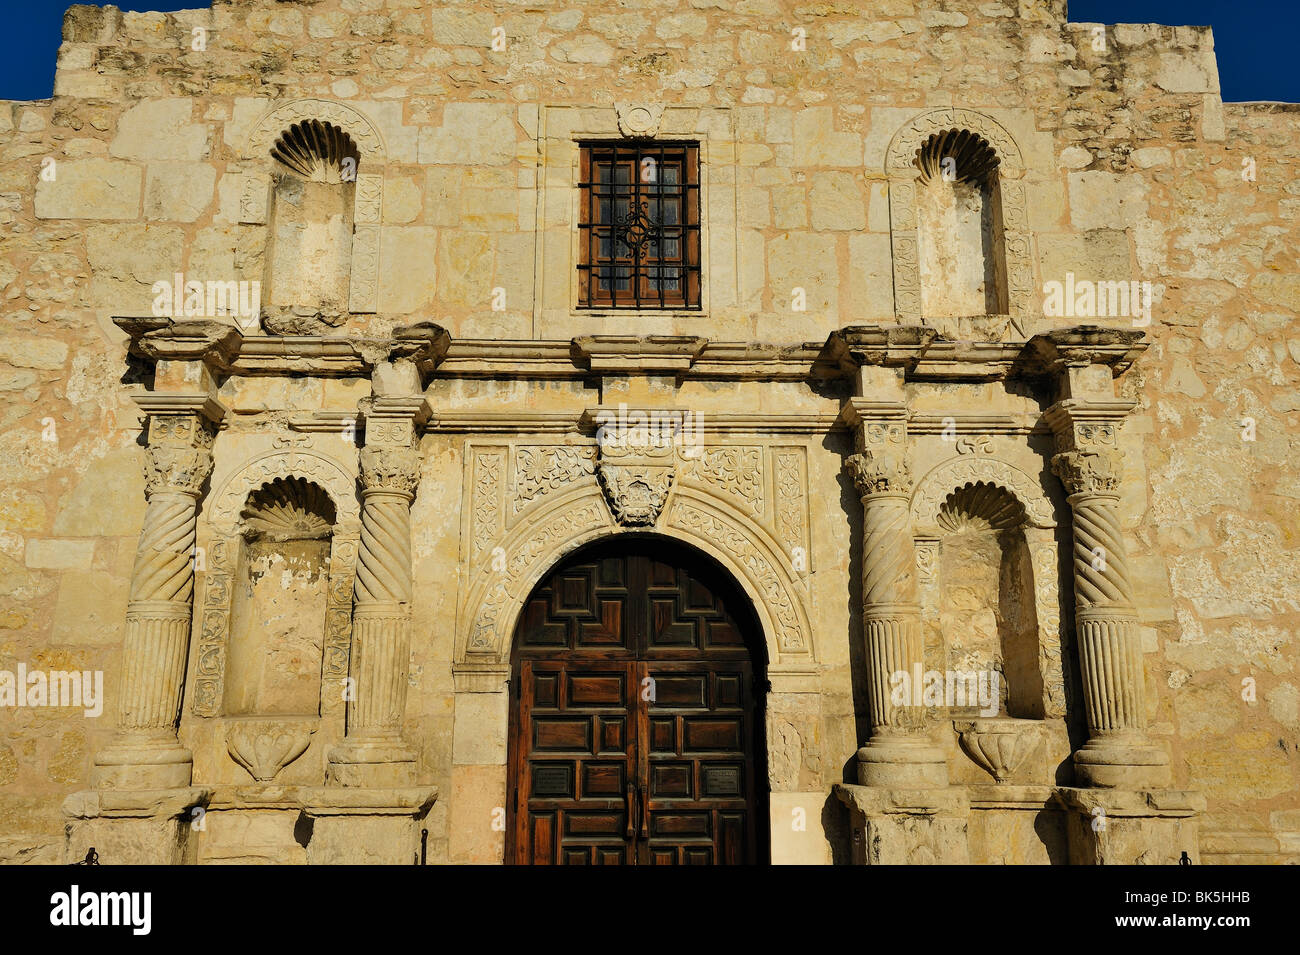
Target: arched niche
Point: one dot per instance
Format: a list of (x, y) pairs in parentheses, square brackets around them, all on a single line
[(223, 557), (1006, 522), (957, 203), (280, 601), (320, 154)]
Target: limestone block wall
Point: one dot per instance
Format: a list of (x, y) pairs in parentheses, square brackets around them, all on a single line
[(139, 168)]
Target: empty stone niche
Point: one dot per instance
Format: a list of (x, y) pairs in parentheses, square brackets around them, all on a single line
[(309, 247), (986, 616), (280, 602), (959, 227)]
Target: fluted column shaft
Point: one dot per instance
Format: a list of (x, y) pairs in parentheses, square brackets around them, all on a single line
[(373, 752), (381, 623), (899, 753), (146, 753), (1118, 752)]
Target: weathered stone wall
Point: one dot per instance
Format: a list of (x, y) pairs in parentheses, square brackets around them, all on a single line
[(1133, 170)]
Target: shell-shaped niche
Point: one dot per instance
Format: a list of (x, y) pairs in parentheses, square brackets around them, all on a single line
[(289, 508), (318, 152), (973, 159), (980, 505)]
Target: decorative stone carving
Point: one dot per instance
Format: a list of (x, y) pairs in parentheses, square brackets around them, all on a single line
[(933, 489), (488, 465), (703, 524), (390, 469), (902, 172), (909, 139), (1089, 472), (999, 744), (636, 467), (485, 635), (1118, 752), (275, 129), (362, 132), (540, 470), (879, 472), (734, 470), (636, 493), (792, 505), (313, 466), (265, 746), (639, 120), (146, 752), (324, 481)]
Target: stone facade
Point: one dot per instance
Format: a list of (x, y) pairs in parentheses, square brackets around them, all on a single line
[(296, 536)]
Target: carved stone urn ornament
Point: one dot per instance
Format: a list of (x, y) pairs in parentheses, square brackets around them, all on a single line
[(265, 746)]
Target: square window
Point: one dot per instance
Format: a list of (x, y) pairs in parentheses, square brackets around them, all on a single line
[(639, 226)]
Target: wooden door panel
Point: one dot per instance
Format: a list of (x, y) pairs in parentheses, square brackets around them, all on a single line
[(633, 735), (573, 775)]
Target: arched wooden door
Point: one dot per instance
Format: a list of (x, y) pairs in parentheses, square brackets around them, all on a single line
[(636, 727)]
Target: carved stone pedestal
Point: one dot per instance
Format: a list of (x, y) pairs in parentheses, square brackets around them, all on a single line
[(907, 826), (1130, 827), (366, 826), (141, 827)]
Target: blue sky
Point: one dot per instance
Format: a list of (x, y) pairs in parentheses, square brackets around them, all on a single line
[(1254, 39)]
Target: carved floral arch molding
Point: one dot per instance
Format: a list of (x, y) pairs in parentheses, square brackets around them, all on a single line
[(529, 550), (903, 216), (368, 198)]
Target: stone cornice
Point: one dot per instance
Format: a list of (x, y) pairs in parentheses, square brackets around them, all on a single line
[(1057, 351), (915, 350)]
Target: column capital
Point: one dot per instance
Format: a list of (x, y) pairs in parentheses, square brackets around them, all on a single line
[(880, 471), (1090, 472), (392, 469)]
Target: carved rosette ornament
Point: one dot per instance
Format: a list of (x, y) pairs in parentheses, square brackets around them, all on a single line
[(1118, 751), (898, 754), (145, 753)]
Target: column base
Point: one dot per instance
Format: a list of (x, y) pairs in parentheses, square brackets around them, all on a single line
[(902, 762), (142, 765), (1126, 827), (366, 826), (1126, 761), (907, 826), (383, 763), (145, 827)]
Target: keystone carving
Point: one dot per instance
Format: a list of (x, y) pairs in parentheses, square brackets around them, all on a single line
[(636, 494)]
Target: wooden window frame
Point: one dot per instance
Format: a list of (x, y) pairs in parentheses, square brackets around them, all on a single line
[(644, 292)]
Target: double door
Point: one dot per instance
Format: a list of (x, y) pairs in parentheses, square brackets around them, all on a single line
[(634, 731)]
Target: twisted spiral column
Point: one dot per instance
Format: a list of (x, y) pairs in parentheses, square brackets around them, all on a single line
[(899, 753), (1118, 752), (373, 752), (146, 753)]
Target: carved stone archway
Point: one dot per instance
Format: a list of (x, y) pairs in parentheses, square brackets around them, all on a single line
[(572, 520)]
